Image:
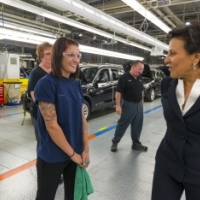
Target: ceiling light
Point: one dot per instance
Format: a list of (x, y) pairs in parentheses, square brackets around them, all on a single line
[(33, 39), (77, 5), (109, 53), (147, 14), (26, 29), (107, 20), (80, 35), (56, 17), (26, 36)]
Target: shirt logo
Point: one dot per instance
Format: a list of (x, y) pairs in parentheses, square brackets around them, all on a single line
[(129, 80)]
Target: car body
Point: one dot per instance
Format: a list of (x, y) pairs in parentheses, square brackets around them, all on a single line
[(165, 69), (151, 79), (99, 84), (152, 84)]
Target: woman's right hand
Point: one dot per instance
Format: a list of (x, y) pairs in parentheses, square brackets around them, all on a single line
[(77, 158)]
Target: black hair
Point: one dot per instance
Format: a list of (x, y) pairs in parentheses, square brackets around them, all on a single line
[(190, 34)]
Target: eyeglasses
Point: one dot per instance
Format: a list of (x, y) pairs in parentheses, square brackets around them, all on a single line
[(47, 54), (72, 55)]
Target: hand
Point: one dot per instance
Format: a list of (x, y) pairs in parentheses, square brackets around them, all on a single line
[(77, 158), (86, 159), (118, 110)]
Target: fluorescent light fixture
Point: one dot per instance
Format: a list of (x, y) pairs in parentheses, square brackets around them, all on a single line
[(33, 39), (108, 20), (26, 29), (77, 5), (56, 17), (8, 33), (18, 39), (147, 14), (89, 10), (108, 53)]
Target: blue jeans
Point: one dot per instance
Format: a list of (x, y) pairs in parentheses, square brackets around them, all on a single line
[(132, 113)]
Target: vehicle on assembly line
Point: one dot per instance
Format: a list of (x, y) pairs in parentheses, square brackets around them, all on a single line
[(99, 84), (151, 79), (165, 69)]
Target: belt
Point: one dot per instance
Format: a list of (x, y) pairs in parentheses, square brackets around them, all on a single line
[(132, 101)]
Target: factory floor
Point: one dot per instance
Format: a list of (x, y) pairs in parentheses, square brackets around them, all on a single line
[(124, 175)]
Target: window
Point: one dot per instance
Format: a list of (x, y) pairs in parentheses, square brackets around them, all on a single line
[(103, 76), (115, 74), (89, 73)]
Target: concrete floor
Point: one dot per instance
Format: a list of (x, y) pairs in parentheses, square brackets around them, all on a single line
[(125, 175)]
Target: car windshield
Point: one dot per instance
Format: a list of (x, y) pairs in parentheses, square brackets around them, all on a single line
[(89, 73)]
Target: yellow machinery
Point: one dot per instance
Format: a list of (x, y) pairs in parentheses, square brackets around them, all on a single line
[(14, 86)]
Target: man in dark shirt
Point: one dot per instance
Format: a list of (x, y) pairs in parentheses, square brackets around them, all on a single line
[(43, 53), (130, 91)]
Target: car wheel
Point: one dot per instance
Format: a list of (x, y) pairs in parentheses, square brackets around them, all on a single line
[(151, 95), (86, 109)]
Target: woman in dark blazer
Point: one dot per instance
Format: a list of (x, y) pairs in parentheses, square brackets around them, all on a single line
[(177, 167)]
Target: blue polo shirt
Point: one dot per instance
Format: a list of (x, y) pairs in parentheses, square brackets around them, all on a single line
[(66, 94)]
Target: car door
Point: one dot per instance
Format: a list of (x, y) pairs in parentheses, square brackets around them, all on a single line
[(103, 88)]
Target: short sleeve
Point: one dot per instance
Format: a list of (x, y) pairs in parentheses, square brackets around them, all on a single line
[(45, 91)]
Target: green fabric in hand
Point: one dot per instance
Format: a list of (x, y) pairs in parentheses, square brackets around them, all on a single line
[(83, 185)]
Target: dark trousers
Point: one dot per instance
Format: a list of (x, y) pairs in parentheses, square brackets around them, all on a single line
[(48, 175), (132, 113), (166, 187)]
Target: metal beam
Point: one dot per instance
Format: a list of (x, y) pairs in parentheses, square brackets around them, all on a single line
[(111, 6), (164, 17), (175, 18)]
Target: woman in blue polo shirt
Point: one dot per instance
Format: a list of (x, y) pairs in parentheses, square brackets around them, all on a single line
[(62, 125)]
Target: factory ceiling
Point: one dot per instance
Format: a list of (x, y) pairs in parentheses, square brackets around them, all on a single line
[(171, 13)]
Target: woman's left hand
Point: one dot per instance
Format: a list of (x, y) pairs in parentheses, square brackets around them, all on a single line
[(86, 159)]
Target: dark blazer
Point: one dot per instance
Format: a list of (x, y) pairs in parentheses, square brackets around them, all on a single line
[(179, 151)]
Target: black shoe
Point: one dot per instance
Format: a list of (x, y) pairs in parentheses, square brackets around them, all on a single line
[(61, 180), (140, 148), (114, 147)]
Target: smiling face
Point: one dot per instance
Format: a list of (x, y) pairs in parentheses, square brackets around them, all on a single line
[(179, 61), (70, 60)]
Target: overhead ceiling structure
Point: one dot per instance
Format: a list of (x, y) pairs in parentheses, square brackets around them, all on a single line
[(133, 28)]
